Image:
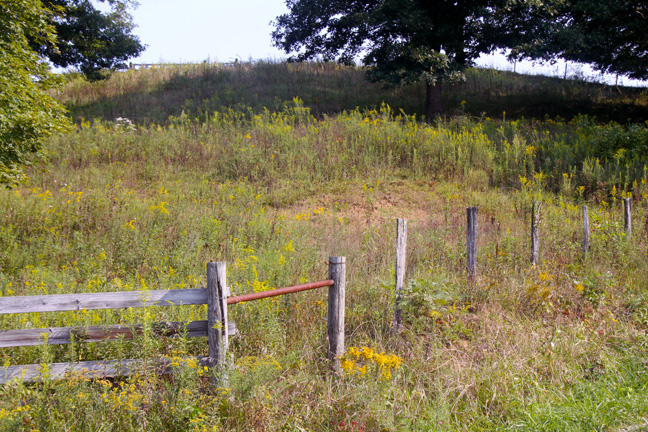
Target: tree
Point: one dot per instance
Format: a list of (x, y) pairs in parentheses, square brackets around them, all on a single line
[(612, 36), (89, 39), (27, 113), (402, 41)]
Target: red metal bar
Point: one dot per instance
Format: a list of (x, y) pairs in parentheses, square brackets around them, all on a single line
[(279, 291)]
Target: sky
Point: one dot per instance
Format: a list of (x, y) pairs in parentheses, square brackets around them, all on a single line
[(192, 31)]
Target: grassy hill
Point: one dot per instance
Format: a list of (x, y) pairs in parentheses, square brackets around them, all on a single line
[(274, 193), (151, 96)]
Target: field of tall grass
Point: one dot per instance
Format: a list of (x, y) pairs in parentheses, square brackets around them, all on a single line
[(151, 96), (274, 192)]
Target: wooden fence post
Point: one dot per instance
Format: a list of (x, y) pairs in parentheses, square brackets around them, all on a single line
[(627, 207), (217, 332), (535, 237), (223, 293), (337, 272), (586, 230), (401, 248), (471, 242)]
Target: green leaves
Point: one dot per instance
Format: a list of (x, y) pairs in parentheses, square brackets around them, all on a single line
[(612, 36), (429, 39), (403, 41), (27, 113), (89, 39)]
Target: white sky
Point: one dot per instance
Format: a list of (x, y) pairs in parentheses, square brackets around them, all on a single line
[(191, 31)]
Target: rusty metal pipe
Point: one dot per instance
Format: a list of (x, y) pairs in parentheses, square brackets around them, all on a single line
[(279, 291)]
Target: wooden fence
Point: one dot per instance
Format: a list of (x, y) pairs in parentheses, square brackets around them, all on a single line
[(138, 66), (471, 246), (216, 327)]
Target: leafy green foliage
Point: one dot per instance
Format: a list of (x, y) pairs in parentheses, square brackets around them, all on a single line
[(612, 36), (27, 113), (403, 41), (90, 39)]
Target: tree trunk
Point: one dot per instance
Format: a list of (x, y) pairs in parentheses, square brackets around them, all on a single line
[(433, 106)]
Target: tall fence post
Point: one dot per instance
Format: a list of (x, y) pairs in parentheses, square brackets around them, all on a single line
[(216, 318), (336, 294), (627, 208), (223, 293), (535, 236), (401, 253), (471, 242), (586, 230)]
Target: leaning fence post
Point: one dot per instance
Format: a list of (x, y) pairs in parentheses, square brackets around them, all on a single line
[(401, 248), (471, 241), (337, 272), (215, 322), (586, 230), (627, 207), (535, 237)]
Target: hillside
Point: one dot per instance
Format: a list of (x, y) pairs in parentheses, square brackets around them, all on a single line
[(118, 206), (151, 96)]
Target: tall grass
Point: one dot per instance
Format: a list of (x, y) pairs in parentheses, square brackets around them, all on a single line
[(561, 346), (151, 96)]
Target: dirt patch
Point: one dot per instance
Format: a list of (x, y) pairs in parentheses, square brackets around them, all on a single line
[(374, 205)]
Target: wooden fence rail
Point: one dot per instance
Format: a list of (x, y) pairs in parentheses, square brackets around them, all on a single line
[(107, 300), (138, 66), (66, 335), (216, 328)]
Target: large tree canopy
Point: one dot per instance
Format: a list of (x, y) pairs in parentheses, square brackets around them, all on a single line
[(402, 41), (90, 39), (612, 36), (27, 113)]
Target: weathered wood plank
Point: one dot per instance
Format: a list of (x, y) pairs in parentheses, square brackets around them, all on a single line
[(535, 236), (627, 216), (335, 324), (64, 335), (104, 300), (214, 317), (471, 242), (401, 252), (586, 229), (89, 369), (223, 292)]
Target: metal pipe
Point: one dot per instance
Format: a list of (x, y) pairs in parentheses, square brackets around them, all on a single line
[(279, 291)]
